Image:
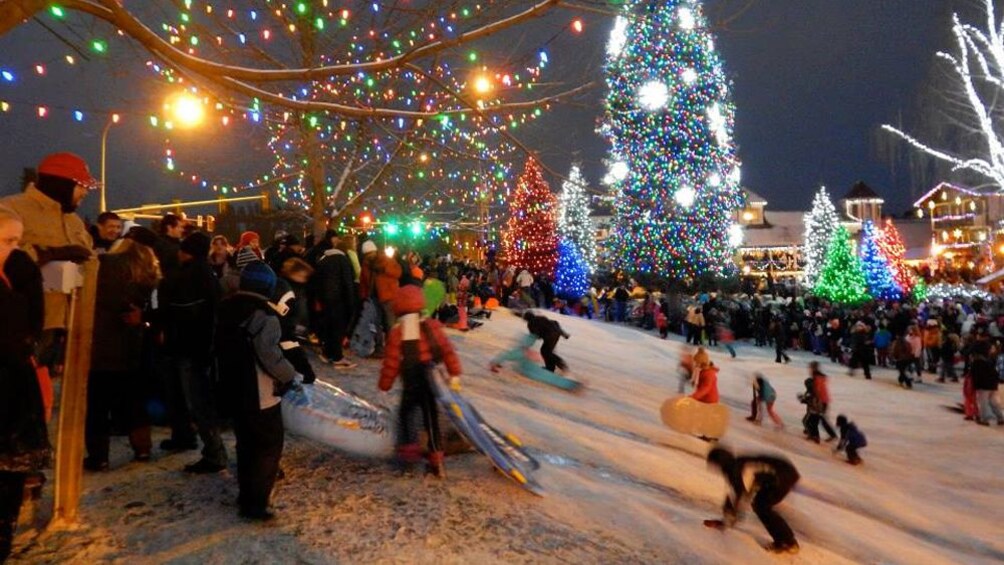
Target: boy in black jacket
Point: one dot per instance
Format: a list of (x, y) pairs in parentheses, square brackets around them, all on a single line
[(254, 374), (549, 331), (766, 480)]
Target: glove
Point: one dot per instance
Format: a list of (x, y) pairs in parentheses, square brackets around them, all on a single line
[(455, 384), (295, 394), (75, 253)]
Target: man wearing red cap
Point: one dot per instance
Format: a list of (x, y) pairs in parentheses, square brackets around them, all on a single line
[(52, 232)]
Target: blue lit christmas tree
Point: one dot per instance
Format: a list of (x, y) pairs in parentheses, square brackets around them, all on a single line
[(878, 274), (673, 164), (571, 280)]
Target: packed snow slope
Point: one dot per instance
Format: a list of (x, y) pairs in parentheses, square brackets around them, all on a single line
[(620, 487)]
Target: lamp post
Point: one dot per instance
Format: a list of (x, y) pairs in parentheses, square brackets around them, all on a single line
[(112, 119)]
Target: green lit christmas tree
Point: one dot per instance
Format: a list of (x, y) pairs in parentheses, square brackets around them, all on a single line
[(842, 279), (673, 163)]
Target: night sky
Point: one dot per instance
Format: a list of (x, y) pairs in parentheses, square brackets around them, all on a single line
[(813, 80)]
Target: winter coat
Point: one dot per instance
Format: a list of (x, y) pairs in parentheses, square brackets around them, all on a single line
[(252, 369), (333, 282), (188, 302), (851, 437), (984, 374), (883, 338), (764, 391), (901, 351), (932, 337), (408, 304), (382, 273), (24, 440), (285, 303), (745, 476), (707, 385), (543, 327), (916, 346), (118, 340), (820, 388), (45, 225)]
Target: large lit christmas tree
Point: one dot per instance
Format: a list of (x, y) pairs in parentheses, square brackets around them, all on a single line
[(878, 275), (573, 217), (530, 241), (820, 224), (842, 279), (669, 118), (571, 279), (891, 245)]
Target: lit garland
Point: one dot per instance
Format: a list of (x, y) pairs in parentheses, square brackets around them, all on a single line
[(458, 160), (876, 265), (669, 119), (842, 280), (573, 217), (820, 223), (942, 291), (571, 279), (530, 240)]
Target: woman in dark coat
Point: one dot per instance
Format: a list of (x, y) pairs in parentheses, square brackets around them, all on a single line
[(126, 279), (24, 441)]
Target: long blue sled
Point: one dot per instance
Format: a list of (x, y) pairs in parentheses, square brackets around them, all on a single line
[(531, 370), (505, 452)]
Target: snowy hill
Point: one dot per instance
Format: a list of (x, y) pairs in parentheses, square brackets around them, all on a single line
[(620, 486)]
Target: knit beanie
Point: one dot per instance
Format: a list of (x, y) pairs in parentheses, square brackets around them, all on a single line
[(196, 245), (247, 237), (369, 247), (257, 277)]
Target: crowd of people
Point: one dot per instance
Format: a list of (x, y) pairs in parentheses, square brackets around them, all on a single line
[(224, 329)]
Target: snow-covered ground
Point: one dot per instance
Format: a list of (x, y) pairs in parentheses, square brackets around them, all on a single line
[(620, 486)]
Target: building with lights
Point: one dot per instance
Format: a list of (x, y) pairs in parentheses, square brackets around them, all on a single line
[(967, 226)]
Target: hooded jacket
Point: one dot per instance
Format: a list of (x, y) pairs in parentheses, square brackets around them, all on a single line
[(707, 385), (410, 328)]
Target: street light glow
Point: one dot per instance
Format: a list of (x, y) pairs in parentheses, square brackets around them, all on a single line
[(482, 84), (187, 110)]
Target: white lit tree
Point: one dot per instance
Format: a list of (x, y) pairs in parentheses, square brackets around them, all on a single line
[(977, 70), (573, 217), (820, 224)]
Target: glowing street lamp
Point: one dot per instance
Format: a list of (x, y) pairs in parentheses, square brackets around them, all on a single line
[(186, 109), (482, 85)]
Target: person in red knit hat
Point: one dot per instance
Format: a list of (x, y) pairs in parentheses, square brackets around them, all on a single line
[(414, 347)]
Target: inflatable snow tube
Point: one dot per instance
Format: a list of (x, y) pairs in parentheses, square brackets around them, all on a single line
[(340, 419)]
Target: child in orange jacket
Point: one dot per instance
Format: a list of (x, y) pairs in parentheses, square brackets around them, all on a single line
[(707, 378), (414, 347)]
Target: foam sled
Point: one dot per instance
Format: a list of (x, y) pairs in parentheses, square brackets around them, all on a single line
[(340, 419), (364, 338), (526, 361), (504, 452), (696, 418)]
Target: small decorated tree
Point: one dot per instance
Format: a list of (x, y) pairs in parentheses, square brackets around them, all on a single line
[(842, 279), (572, 276), (820, 223), (878, 275), (530, 241), (573, 218), (891, 245)]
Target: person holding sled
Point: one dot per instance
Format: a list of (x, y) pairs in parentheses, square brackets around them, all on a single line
[(706, 389), (414, 347), (764, 397), (765, 480)]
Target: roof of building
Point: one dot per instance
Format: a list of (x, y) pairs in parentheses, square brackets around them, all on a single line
[(916, 236), (753, 198), (861, 191), (945, 186), (779, 229)]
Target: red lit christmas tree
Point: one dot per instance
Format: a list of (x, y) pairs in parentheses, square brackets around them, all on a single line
[(530, 241)]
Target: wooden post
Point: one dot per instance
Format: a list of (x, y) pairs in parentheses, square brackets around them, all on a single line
[(73, 401)]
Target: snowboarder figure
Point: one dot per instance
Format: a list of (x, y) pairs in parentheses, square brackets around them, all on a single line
[(764, 397), (549, 331), (414, 346), (763, 479), (851, 440)]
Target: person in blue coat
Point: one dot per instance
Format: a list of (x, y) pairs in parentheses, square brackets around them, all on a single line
[(851, 440)]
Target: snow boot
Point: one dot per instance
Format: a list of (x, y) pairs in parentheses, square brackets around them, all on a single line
[(775, 547), (408, 455), (435, 466)]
